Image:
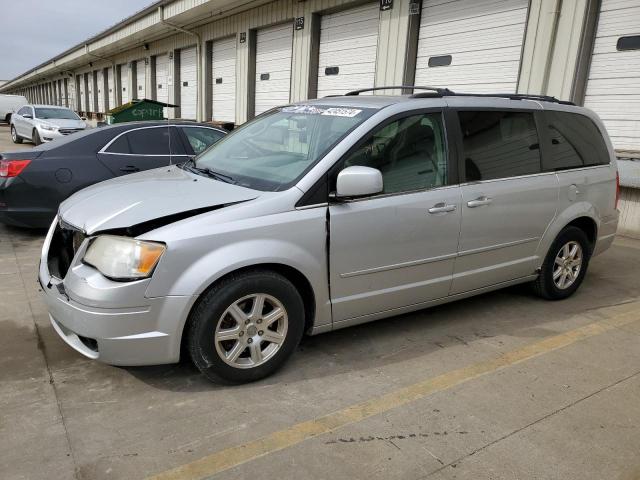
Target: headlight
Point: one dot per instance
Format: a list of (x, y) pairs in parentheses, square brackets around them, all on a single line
[(122, 258), (49, 128)]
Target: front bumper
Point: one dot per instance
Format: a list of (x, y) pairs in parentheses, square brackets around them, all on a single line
[(111, 323), (49, 135)]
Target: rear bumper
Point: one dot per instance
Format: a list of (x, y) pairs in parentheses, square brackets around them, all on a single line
[(606, 233), (27, 218)]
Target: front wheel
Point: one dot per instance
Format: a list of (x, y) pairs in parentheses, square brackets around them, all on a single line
[(14, 135), (245, 327), (35, 137), (565, 265)]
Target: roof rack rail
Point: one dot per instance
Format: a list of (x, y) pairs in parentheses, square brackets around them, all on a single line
[(434, 90), (516, 96)]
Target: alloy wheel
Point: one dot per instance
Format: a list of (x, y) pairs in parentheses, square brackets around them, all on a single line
[(251, 331), (567, 265)]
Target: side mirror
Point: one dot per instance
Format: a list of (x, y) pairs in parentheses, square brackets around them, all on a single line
[(358, 182), (84, 119)]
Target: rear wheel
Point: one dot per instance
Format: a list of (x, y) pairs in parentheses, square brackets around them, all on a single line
[(244, 328), (14, 135), (565, 265), (35, 137)]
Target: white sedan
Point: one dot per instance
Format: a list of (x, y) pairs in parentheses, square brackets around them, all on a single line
[(43, 123)]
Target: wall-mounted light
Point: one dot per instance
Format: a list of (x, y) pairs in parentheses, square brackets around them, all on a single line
[(146, 61), (91, 64), (170, 55), (145, 46)]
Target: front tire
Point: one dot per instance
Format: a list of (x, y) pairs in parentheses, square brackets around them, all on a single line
[(245, 327), (565, 265), (35, 137), (14, 135)]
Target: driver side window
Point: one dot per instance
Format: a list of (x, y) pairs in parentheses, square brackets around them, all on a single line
[(410, 153)]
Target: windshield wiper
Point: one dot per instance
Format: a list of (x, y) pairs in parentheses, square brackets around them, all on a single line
[(212, 174)]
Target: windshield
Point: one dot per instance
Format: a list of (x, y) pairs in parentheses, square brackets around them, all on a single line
[(50, 113), (273, 151)]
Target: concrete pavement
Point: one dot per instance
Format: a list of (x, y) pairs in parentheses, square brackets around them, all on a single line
[(567, 413)]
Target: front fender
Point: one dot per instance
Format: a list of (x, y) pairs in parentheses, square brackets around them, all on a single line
[(292, 239)]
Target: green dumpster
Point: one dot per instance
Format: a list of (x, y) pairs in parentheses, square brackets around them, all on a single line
[(137, 110)]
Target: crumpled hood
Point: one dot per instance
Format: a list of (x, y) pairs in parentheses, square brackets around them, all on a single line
[(140, 197)]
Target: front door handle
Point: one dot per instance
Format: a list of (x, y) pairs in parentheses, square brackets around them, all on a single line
[(479, 202), (442, 208), (129, 169)]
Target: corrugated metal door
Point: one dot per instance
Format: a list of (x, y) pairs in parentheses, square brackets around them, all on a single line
[(188, 83), (273, 67), (141, 79), (111, 90), (90, 106), (124, 84), (83, 98), (60, 93), (100, 91), (471, 45), (348, 45), (71, 94), (162, 74), (223, 66), (613, 87)]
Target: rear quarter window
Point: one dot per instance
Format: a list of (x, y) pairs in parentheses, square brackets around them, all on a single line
[(499, 144), (574, 141)]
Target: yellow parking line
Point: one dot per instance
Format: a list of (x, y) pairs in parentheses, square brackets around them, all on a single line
[(231, 457)]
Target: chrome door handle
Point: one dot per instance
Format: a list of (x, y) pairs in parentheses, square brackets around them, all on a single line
[(479, 202), (442, 208)]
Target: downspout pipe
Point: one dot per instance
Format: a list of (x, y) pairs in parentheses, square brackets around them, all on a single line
[(198, 38)]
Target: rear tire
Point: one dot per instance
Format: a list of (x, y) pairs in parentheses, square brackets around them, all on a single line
[(564, 266), (245, 327), (35, 137), (14, 135)]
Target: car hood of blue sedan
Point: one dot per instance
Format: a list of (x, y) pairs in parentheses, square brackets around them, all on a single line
[(141, 197)]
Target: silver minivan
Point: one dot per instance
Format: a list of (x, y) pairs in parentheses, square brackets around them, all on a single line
[(325, 214)]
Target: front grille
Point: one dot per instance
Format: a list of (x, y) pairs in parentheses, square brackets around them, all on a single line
[(67, 131), (65, 242)]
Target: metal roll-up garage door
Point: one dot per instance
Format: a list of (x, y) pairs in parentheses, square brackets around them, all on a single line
[(471, 45), (348, 47), (71, 94), (111, 89), (60, 93), (188, 83), (124, 84), (273, 67), (613, 87), (90, 106), (162, 74), (141, 79), (83, 98), (223, 68), (100, 77)]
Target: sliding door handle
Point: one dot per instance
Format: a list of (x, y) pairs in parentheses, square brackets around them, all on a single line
[(479, 202), (442, 208)]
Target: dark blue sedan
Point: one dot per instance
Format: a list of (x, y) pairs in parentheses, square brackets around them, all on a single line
[(34, 182)]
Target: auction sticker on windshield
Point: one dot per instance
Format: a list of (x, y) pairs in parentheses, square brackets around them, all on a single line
[(341, 112)]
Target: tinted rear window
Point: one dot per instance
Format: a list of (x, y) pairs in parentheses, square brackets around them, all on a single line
[(144, 141), (575, 142), (499, 144)]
